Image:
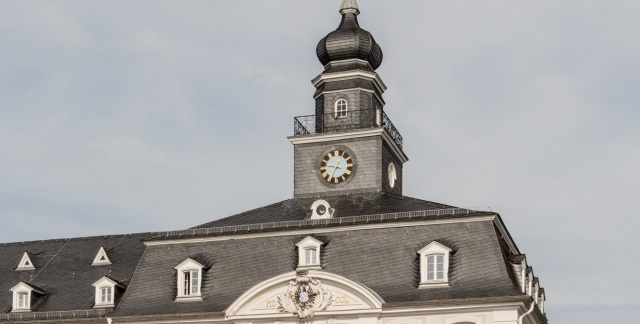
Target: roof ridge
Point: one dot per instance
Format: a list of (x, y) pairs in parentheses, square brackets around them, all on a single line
[(242, 213)]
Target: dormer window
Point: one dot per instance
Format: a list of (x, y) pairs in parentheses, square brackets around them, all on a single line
[(23, 296), (341, 108), (434, 265), (25, 263), (309, 253), (191, 282), (106, 289), (189, 274)]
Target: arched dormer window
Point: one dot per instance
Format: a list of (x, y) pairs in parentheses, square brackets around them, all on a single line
[(434, 265), (309, 253), (189, 275), (341, 108)]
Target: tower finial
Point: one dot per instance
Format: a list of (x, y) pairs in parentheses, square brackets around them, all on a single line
[(349, 6)]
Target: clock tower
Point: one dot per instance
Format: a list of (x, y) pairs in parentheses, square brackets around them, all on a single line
[(349, 145)]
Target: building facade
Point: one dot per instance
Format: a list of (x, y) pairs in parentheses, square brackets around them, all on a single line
[(347, 248)]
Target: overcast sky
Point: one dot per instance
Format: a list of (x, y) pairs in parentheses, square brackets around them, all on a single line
[(138, 116)]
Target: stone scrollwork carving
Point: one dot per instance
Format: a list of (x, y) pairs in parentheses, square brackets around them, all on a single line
[(304, 297)]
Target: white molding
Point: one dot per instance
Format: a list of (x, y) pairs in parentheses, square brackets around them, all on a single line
[(464, 319), (460, 306), (503, 231), (347, 75), (99, 261), (188, 299), (372, 298), (321, 230), (434, 284), (327, 137), (25, 263)]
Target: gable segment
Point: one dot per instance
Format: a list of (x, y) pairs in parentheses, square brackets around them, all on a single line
[(25, 263), (101, 258)]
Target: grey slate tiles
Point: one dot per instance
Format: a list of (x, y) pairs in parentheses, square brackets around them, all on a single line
[(384, 260), (64, 271), (345, 205)]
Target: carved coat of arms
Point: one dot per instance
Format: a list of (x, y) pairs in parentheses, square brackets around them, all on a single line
[(304, 297)]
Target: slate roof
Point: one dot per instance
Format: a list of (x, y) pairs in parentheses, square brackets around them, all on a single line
[(64, 271), (384, 260), (345, 205), (349, 41)]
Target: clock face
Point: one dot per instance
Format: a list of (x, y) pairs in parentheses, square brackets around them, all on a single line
[(336, 166)]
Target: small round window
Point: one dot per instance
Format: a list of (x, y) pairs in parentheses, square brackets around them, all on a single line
[(341, 108)]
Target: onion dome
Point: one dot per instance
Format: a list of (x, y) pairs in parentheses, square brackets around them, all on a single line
[(349, 41)]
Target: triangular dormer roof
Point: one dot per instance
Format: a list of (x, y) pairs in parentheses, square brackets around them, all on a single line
[(25, 263), (23, 286), (435, 247), (189, 263), (309, 240), (101, 258), (107, 280)]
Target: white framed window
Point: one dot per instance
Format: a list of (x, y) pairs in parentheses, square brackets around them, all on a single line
[(23, 296), (189, 276), (23, 300), (105, 292), (191, 282), (25, 263), (434, 265), (309, 253), (341, 108)]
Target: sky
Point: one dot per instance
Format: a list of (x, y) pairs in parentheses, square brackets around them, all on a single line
[(139, 116)]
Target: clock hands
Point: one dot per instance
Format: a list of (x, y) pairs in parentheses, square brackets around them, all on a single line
[(335, 168)]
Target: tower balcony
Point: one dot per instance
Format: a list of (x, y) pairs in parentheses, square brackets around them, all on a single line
[(347, 121)]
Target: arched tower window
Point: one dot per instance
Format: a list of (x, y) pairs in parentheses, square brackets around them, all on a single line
[(341, 108)]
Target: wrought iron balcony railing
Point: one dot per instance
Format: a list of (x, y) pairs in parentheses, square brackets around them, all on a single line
[(352, 120)]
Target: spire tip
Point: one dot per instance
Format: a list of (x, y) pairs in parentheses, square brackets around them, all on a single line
[(349, 6)]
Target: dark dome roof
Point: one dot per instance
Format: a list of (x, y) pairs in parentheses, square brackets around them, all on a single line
[(349, 41)]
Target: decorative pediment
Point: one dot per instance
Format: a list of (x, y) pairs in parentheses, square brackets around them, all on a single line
[(101, 258), (304, 295), (25, 263)]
